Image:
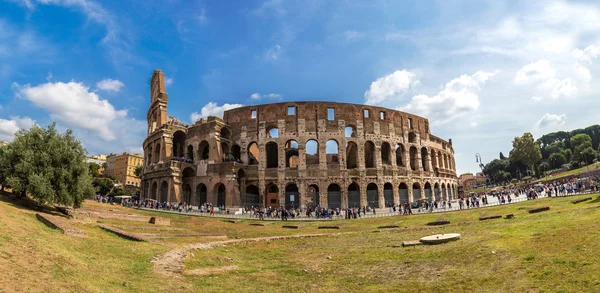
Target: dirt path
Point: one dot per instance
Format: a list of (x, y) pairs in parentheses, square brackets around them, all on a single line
[(171, 262)]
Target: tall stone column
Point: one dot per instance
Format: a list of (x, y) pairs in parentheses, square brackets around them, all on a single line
[(380, 194)]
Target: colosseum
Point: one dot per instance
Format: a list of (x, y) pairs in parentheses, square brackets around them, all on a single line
[(295, 154)]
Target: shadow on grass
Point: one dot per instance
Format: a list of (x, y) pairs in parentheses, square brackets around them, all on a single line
[(597, 200), (27, 204)]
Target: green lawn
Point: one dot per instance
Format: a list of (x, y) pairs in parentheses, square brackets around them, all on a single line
[(553, 251)]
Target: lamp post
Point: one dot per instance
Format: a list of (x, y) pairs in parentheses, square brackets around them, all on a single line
[(478, 160)]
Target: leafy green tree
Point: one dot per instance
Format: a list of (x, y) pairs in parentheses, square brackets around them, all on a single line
[(94, 169), (568, 154), (580, 142), (525, 151), (49, 166), (104, 185), (555, 147), (557, 159), (502, 157), (588, 155), (138, 171)]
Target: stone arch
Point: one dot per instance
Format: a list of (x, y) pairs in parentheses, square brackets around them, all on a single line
[(416, 191), (350, 131), (272, 195), (332, 151), (157, 157), (179, 138), (440, 159), (201, 194), (187, 193), (334, 196), (154, 191), (273, 132), (312, 197), (251, 197), (190, 152), (203, 150), (388, 194), (386, 156), (372, 195), (400, 155), (428, 194), (220, 194), (253, 153), (225, 133), (444, 192), (436, 191), (164, 191), (434, 162), (292, 196), (292, 157), (148, 160), (272, 154), (353, 196), (236, 152), (413, 158), (424, 162), (312, 152), (370, 154), (351, 155), (403, 191), (225, 152)]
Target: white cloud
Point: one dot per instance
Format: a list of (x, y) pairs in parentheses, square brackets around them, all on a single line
[(274, 53), (211, 109), (534, 72), (458, 98), (390, 86), (9, 127), (202, 18), (169, 81), (110, 85), (351, 35), (258, 96), (551, 120), (75, 106)]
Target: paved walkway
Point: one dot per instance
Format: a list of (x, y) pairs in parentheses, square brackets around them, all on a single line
[(492, 201)]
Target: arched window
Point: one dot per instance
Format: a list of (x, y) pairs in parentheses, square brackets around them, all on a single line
[(312, 152), (400, 155), (369, 154), (225, 133), (190, 152), (272, 154), (236, 152), (331, 150), (412, 137), (424, 162), (273, 133), (334, 196), (204, 150), (253, 154), (351, 155), (350, 131), (291, 154), (386, 157), (179, 138), (413, 158)]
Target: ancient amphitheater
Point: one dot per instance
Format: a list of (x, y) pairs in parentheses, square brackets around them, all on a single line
[(295, 154)]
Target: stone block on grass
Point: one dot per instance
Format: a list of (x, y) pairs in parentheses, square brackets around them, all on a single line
[(537, 210), (489, 218), (160, 221)]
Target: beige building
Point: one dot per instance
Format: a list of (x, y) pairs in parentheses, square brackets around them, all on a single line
[(122, 167), (295, 154)]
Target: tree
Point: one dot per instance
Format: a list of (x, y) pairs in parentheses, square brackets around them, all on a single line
[(525, 150), (94, 169), (138, 171), (555, 147), (588, 155), (502, 157), (103, 185), (557, 159), (579, 143), (49, 166), (567, 153)]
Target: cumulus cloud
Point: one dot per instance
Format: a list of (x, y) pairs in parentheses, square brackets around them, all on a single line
[(110, 85), (75, 106), (534, 72), (258, 96), (169, 81), (458, 98), (9, 127), (274, 53), (212, 109), (390, 86), (550, 120)]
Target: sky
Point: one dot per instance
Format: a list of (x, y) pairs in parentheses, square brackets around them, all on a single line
[(482, 72)]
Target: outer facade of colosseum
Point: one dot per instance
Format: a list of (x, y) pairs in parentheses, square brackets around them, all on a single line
[(295, 154)]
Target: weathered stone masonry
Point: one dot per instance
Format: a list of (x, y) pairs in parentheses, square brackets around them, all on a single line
[(295, 154)]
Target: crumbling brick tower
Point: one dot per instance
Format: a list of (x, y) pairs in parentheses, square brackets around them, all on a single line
[(295, 154)]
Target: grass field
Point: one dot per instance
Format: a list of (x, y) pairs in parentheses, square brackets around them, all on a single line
[(552, 251)]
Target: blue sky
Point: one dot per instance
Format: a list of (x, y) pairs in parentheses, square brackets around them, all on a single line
[(483, 72)]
